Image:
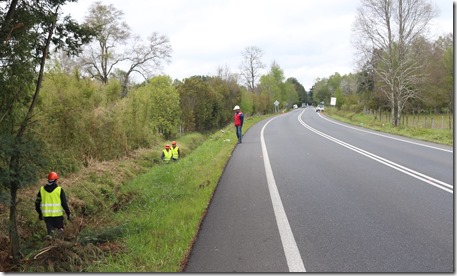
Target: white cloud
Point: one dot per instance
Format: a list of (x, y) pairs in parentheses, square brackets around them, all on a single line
[(308, 39)]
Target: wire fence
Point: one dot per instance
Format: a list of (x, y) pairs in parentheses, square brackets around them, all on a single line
[(432, 121)]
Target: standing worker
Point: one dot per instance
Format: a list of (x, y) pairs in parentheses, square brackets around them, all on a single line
[(167, 154), (238, 119), (175, 151), (51, 203)]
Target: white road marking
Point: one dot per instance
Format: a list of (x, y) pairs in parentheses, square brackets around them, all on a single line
[(385, 136), (425, 178), (291, 251)]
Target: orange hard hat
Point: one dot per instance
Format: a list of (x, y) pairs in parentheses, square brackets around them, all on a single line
[(52, 176), (173, 143)]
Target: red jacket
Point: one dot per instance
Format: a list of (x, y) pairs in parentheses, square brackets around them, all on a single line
[(238, 118)]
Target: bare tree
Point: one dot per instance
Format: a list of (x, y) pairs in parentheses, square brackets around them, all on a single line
[(105, 57), (385, 33), (145, 59), (224, 73), (101, 56), (251, 64), (65, 62)]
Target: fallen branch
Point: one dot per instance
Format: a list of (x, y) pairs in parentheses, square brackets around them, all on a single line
[(44, 250)]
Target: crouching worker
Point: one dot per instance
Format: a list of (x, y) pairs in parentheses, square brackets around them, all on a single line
[(51, 203), (167, 154)]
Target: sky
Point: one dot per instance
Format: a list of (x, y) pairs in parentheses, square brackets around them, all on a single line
[(308, 39)]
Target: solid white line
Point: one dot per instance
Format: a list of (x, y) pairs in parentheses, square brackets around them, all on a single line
[(385, 136), (291, 251), (425, 178)]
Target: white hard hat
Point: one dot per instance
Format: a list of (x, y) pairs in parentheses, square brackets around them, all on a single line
[(236, 107)]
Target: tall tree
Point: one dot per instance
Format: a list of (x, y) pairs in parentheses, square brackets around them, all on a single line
[(385, 33), (146, 58), (301, 91), (114, 48), (27, 30), (273, 88), (270, 84), (321, 92), (438, 91), (159, 100), (112, 32), (251, 65)]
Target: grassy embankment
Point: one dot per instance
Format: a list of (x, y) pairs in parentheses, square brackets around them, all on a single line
[(170, 200), (131, 215), (432, 128)]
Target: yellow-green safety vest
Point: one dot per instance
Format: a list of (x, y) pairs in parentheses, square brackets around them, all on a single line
[(175, 152), (167, 155), (51, 205)]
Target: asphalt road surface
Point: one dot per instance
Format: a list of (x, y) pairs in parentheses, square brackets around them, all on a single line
[(306, 193)]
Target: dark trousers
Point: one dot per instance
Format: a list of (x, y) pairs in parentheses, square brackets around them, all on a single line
[(53, 223), (238, 133)]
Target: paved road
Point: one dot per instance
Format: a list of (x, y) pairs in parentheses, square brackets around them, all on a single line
[(305, 193)]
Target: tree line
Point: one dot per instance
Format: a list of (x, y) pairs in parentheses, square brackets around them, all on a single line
[(100, 123), (432, 92)]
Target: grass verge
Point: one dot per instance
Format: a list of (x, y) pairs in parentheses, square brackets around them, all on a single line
[(440, 136), (163, 220)]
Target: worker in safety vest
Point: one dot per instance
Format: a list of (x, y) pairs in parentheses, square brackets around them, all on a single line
[(51, 204), (175, 151), (167, 154), (238, 119)]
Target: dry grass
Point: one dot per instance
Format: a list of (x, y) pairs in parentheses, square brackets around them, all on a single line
[(71, 250)]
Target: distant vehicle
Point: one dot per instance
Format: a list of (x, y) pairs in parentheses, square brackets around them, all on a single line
[(295, 106), (320, 108)]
